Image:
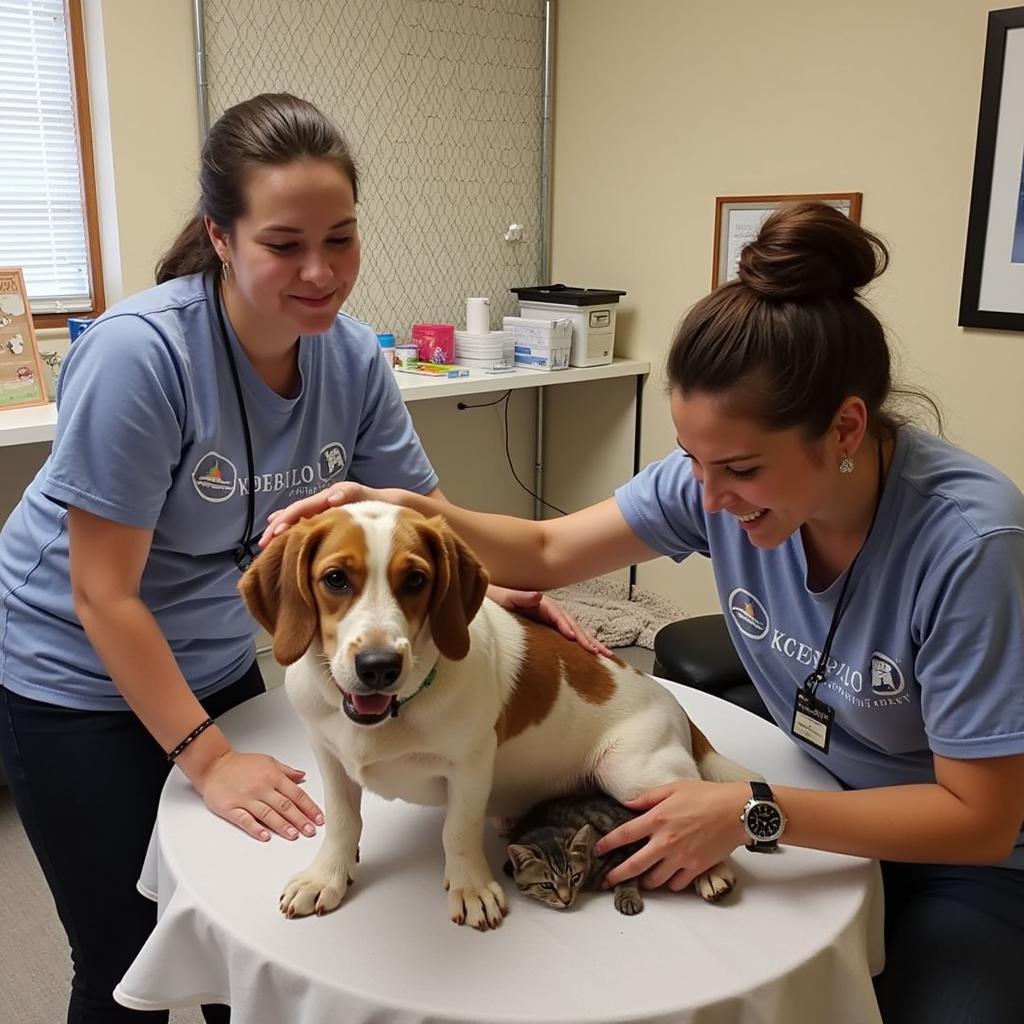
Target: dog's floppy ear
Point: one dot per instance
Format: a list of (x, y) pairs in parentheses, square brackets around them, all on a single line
[(459, 588), (277, 591)]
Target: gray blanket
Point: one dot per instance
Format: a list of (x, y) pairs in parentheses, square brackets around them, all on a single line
[(602, 609)]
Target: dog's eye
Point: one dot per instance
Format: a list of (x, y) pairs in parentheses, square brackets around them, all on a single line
[(416, 580), (337, 581)]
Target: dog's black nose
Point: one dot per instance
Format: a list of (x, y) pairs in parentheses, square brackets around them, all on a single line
[(378, 669)]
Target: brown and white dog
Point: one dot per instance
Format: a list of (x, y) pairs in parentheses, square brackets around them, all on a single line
[(414, 686)]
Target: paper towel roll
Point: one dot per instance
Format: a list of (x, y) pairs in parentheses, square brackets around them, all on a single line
[(478, 316)]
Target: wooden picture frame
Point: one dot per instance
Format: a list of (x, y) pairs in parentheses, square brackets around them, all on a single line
[(992, 294), (22, 376), (739, 218)]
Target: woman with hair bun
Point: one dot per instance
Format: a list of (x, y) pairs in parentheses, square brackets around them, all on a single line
[(883, 569)]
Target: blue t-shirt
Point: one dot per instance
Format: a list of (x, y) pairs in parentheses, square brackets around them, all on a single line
[(149, 434), (929, 653)]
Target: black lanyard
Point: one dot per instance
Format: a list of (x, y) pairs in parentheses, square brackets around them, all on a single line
[(812, 682), (248, 547)]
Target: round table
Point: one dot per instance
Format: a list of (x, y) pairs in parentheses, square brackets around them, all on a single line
[(796, 942)]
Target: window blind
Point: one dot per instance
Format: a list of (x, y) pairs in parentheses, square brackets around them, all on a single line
[(42, 213)]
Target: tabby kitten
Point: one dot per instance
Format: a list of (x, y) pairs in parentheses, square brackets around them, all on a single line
[(551, 851)]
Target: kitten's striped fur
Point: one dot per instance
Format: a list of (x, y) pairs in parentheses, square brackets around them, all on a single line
[(551, 851)]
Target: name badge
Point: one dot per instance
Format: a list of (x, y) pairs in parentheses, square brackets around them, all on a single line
[(812, 721)]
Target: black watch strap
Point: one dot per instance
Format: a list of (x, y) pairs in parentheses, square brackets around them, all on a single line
[(762, 791)]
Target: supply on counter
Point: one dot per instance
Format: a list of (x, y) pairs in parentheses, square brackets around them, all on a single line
[(435, 370), (435, 342), (591, 310), (478, 316), (405, 355), (493, 349), (540, 344), (77, 324), (387, 344)]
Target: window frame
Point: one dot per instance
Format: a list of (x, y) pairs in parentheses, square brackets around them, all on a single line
[(74, 22)]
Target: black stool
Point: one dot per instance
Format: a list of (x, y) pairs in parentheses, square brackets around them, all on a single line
[(698, 652)]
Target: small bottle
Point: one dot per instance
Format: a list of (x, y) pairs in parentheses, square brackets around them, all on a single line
[(387, 344)]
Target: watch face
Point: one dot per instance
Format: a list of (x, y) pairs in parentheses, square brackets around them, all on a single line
[(764, 821)]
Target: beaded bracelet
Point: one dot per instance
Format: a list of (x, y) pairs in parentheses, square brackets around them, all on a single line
[(200, 728)]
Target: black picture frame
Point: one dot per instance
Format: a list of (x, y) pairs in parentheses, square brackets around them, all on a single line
[(992, 281)]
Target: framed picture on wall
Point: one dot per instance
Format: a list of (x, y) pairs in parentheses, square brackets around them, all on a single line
[(993, 285), (738, 219), (22, 379)]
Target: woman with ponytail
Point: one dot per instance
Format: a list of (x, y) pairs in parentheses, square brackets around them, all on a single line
[(185, 414), (872, 579)]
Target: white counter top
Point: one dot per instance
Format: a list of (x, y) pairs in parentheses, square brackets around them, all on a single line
[(37, 423)]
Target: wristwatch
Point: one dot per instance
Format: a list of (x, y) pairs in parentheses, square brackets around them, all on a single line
[(763, 819)]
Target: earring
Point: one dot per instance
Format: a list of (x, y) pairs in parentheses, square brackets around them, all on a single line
[(225, 269), (846, 466)]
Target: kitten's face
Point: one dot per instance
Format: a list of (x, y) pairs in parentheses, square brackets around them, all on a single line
[(554, 871)]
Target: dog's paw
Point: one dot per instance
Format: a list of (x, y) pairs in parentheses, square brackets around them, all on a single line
[(314, 891), (476, 900), (715, 883)]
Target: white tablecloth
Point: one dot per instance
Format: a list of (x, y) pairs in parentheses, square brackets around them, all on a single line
[(796, 943)]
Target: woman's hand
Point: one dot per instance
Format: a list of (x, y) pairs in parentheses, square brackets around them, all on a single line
[(539, 606), (339, 494), (690, 825), (260, 795)]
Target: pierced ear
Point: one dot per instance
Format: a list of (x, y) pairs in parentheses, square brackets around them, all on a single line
[(851, 423), (584, 840), (521, 856), (215, 236), (459, 588), (277, 591)]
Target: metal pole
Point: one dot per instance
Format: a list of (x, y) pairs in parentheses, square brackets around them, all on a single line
[(201, 84), (545, 142), (638, 419), (538, 459), (545, 230)]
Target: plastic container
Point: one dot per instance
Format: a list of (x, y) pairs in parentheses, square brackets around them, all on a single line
[(387, 344), (591, 310), (436, 342), (406, 355), (77, 324), (540, 344), (485, 351)]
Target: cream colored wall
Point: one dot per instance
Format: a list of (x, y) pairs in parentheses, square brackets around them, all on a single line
[(661, 105), (146, 128)]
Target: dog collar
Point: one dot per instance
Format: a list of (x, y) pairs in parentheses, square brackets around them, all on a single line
[(395, 705)]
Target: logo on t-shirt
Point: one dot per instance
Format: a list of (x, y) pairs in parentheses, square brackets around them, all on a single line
[(215, 477), (886, 677), (748, 613), (332, 460)]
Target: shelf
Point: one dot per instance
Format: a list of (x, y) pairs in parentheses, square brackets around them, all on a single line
[(480, 382), (37, 423), (29, 425)]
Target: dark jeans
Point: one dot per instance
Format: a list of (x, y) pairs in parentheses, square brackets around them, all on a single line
[(954, 945), (86, 785)]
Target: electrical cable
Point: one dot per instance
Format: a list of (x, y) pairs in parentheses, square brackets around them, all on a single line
[(508, 454)]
